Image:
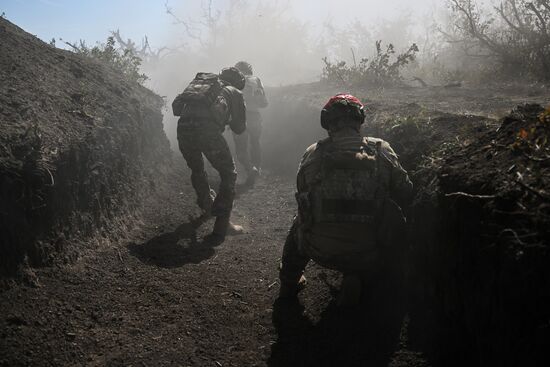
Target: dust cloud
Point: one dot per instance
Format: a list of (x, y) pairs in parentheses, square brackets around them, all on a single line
[(284, 41)]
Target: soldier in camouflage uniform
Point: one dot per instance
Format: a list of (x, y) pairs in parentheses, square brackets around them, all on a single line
[(247, 145), (348, 186), (200, 130)]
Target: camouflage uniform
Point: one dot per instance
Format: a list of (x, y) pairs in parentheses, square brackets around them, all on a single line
[(345, 235), (254, 96), (198, 135)]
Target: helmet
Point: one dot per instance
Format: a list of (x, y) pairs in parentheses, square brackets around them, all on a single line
[(244, 67), (342, 106), (233, 76)]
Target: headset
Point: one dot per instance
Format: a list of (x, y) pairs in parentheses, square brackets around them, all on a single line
[(347, 111)]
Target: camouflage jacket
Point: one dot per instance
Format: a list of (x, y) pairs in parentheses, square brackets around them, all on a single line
[(340, 209)]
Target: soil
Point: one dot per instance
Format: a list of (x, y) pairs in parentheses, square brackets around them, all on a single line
[(79, 146), (493, 210), (159, 295), (166, 298)]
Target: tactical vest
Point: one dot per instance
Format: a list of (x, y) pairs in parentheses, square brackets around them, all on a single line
[(346, 187)]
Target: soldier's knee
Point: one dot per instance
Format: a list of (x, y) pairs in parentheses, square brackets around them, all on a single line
[(197, 167)]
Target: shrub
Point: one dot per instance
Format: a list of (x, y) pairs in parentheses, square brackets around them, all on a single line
[(124, 61), (384, 69)]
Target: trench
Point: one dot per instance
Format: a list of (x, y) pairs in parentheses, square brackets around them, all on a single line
[(474, 287), (95, 218)]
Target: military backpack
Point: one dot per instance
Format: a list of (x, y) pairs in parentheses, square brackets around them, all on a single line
[(203, 98)]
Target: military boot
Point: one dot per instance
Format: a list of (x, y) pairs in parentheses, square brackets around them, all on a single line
[(252, 176), (224, 227), (289, 291), (206, 202), (350, 294)]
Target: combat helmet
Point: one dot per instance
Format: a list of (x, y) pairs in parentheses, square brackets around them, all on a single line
[(342, 107), (244, 67), (233, 76)]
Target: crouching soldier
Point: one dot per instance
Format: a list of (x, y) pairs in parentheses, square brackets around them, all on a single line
[(348, 186), (205, 107)]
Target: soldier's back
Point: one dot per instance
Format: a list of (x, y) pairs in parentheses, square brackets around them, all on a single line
[(339, 177)]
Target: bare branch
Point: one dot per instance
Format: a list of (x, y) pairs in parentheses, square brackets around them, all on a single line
[(541, 19), (471, 196), (191, 31), (545, 4), (118, 38), (516, 13), (500, 11)]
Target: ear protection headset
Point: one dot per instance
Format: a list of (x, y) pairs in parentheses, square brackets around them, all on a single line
[(342, 106)]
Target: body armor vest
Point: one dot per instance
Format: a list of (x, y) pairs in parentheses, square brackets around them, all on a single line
[(346, 186)]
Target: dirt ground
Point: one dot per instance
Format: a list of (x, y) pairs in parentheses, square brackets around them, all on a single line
[(157, 295), (167, 299)]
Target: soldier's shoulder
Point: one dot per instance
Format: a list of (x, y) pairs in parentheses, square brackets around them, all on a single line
[(385, 148), (312, 152), (253, 78), (315, 147), (231, 90)]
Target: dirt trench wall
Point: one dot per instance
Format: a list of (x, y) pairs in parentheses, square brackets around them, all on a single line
[(79, 149), (490, 262), (480, 263)]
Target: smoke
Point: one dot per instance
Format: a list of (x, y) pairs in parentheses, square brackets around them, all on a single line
[(285, 42)]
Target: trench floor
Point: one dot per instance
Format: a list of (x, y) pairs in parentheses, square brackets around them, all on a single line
[(164, 298)]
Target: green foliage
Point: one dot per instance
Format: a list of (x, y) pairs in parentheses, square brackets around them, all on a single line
[(384, 69), (124, 61)]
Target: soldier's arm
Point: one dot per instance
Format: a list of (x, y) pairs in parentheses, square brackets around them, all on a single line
[(302, 189), (238, 111), (177, 105), (260, 99), (401, 187), (300, 177)]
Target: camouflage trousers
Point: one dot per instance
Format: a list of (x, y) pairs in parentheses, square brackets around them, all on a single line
[(194, 142), (247, 144), (390, 248)]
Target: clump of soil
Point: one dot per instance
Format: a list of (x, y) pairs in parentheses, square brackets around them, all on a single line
[(488, 259), (79, 145)]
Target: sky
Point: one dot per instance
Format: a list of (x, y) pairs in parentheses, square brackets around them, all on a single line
[(92, 20)]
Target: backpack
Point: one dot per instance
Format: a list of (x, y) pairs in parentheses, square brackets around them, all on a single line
[(199, 96)]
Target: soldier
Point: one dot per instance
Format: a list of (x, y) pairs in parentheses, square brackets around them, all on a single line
[(254, 96), (206, 106), (348, 186)]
